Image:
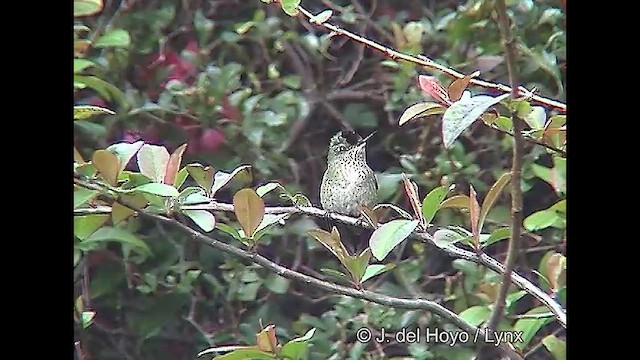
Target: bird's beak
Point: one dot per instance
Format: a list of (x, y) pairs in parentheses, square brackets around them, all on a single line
[(362, 143)]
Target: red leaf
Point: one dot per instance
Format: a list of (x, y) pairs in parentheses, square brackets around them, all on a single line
[(457, 87), (474, 210), (432, 87), (174, 165)]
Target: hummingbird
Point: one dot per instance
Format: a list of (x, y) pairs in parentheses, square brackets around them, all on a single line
[(348, 182)]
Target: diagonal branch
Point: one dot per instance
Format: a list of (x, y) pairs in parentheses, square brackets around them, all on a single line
[(432, 65), (450, 249), (417, 304)]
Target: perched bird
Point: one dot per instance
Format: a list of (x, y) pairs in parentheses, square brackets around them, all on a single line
[(349, 181)]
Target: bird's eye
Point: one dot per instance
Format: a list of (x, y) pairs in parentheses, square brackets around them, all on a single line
[(342, 148)]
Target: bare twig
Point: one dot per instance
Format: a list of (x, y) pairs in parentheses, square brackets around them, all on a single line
[(561, 152), (430, 64), (532, 316), (516, 170)]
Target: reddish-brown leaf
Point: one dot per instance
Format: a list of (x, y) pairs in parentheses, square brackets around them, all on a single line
[(249, 209), (457, 87), (432, 87), (474, 211), (266, 339), (411, 188), (174, 165), (107, 165)]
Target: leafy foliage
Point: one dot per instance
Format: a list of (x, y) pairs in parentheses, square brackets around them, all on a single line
[(179, 108)]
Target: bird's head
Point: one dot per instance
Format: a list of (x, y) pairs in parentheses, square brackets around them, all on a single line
[(347, 143)]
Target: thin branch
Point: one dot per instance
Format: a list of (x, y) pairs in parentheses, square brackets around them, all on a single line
[(417, 304), (450, 249), (561, 152), (516, 170), (430, 64), (532, 316)]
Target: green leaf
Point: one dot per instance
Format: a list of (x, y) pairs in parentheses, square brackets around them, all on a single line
[(332, 242), (125, 151), (86, 7), (559, 174), (106, 90), (301, 200), (413, 32), (389, 235), (530, 326), (496, 235), (82, 195), (181, 176), (560, 206), (134, 180), (158, 189), (295, 350), (540, 220), (457, 201), (444, 237), (229, 230), (536, 118), (114, 38), (321, 18), (266, 188), (81, 64), (431, 202), (120, 213), (249, 209), (556, 347), (122, 236), (153, 161), (290, 6), (202, 175), (277, 284), (375, 270), (357, 265), (80, 28), (239, 353), (221, 178), (270, 219), (492, 196), (513, 298), (107, 165), (249, 291), (463, 113), (476, 315), (194, 195), (395, 208), (504, 123), (335, 273), (204, 219), (420, 110), (85, 225), (86, 318)]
